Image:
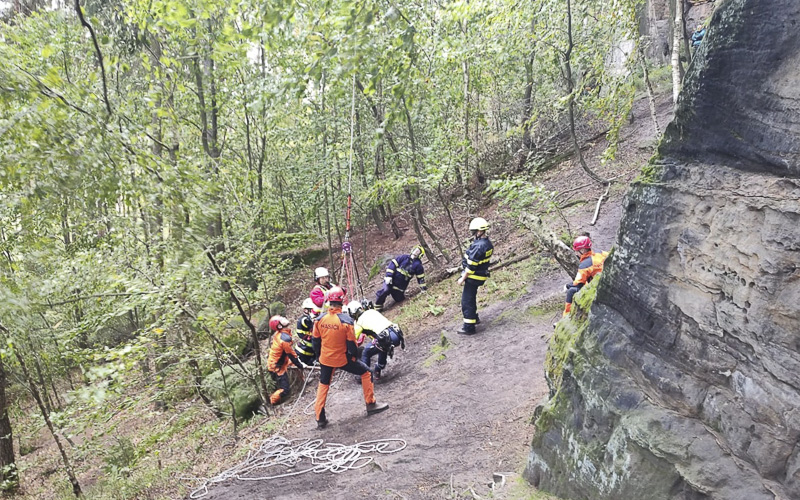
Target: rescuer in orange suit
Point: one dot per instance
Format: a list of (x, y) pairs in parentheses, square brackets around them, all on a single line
[(280, 354), (335, 345), (591, 264)]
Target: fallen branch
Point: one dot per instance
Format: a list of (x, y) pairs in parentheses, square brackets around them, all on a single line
[(597, 208), (561, 252)]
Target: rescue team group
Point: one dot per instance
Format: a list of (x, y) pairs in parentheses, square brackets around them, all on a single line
[(330, 334)]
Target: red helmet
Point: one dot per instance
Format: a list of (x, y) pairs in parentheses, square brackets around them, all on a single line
[(278, 322), (337, 294), (582, 242)]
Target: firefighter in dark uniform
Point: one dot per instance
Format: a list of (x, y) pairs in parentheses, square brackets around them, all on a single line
[(398, 276), (280, 354), (475, 265), (335, 345), (305, 347)]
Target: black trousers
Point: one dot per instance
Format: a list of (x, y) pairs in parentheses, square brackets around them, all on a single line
[(354, 367), (469, 303)]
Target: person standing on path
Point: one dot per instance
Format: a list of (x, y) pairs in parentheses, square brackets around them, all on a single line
[(335, 345), (475, 265)]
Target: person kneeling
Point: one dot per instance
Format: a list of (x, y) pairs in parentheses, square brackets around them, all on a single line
[(280, 354), (385, 334)]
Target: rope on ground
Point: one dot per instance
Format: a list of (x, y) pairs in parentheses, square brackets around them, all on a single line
[(300, 456)]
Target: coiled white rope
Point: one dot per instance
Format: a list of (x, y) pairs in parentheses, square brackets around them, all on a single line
[(319, 456), (300, 456)]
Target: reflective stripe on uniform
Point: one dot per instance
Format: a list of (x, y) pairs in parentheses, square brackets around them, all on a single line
[(476, 277), (470, 321)]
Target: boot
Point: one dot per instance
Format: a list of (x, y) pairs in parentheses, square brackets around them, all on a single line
[(466, 330), (373, 408), (323, 421), (377, 373)]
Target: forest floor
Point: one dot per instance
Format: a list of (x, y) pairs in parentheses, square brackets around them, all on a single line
[(463, 404)]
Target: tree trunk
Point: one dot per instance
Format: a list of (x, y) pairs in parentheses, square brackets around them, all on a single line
[(417, 203), (677, 39), (547, 238), (650, 93), (571, 99), (76, 487), (8, 466), (325, 183)]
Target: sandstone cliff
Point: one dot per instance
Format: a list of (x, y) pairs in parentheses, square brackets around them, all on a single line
[(684, 378)]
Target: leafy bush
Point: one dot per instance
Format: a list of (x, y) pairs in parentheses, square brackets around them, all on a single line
[(242, 390), (120, 457)]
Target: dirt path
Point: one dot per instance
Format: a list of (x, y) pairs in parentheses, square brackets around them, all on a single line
[(465, 411), (466, 415)]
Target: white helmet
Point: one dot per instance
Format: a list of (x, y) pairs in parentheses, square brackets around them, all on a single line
[(320, 272), (355, 308), (478, 224), (308, 304)]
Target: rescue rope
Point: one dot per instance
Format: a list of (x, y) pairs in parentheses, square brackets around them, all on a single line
[(349, 269), (313, 455)]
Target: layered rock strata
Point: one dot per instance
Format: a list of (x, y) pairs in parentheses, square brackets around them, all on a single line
[(684, 378)]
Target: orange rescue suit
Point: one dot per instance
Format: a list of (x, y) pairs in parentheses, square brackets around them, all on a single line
[(281, 353), (334, 335)]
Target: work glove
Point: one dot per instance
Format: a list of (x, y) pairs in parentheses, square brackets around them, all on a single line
[(566, 288), (387, 280), (424, 288), (391, 352), (402, 344), (273, 376)]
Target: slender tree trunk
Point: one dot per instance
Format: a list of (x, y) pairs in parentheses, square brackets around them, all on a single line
[(377, 113), (650, 93), (458, 248), (527, 109), (677, 39), (325, 183), (76, 487), (359, 150), (8, 465), (687, 49), (416, 200), (571, 99)]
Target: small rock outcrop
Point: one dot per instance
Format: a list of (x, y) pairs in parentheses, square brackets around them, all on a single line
[(683, 381)]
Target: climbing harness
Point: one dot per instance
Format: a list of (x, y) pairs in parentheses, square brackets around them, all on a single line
[(349, 270)]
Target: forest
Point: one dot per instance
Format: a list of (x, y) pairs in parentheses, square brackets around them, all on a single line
[(173, 169)]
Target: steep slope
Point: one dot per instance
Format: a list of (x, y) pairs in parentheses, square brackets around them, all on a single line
[(683, 382)]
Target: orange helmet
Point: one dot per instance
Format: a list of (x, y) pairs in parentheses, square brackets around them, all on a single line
[(337, 294), (581, 243), (278, 322)]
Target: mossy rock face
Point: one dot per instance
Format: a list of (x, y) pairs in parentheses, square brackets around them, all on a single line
[(678, 379), (242, 390), (277, 309), (236, 341)]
